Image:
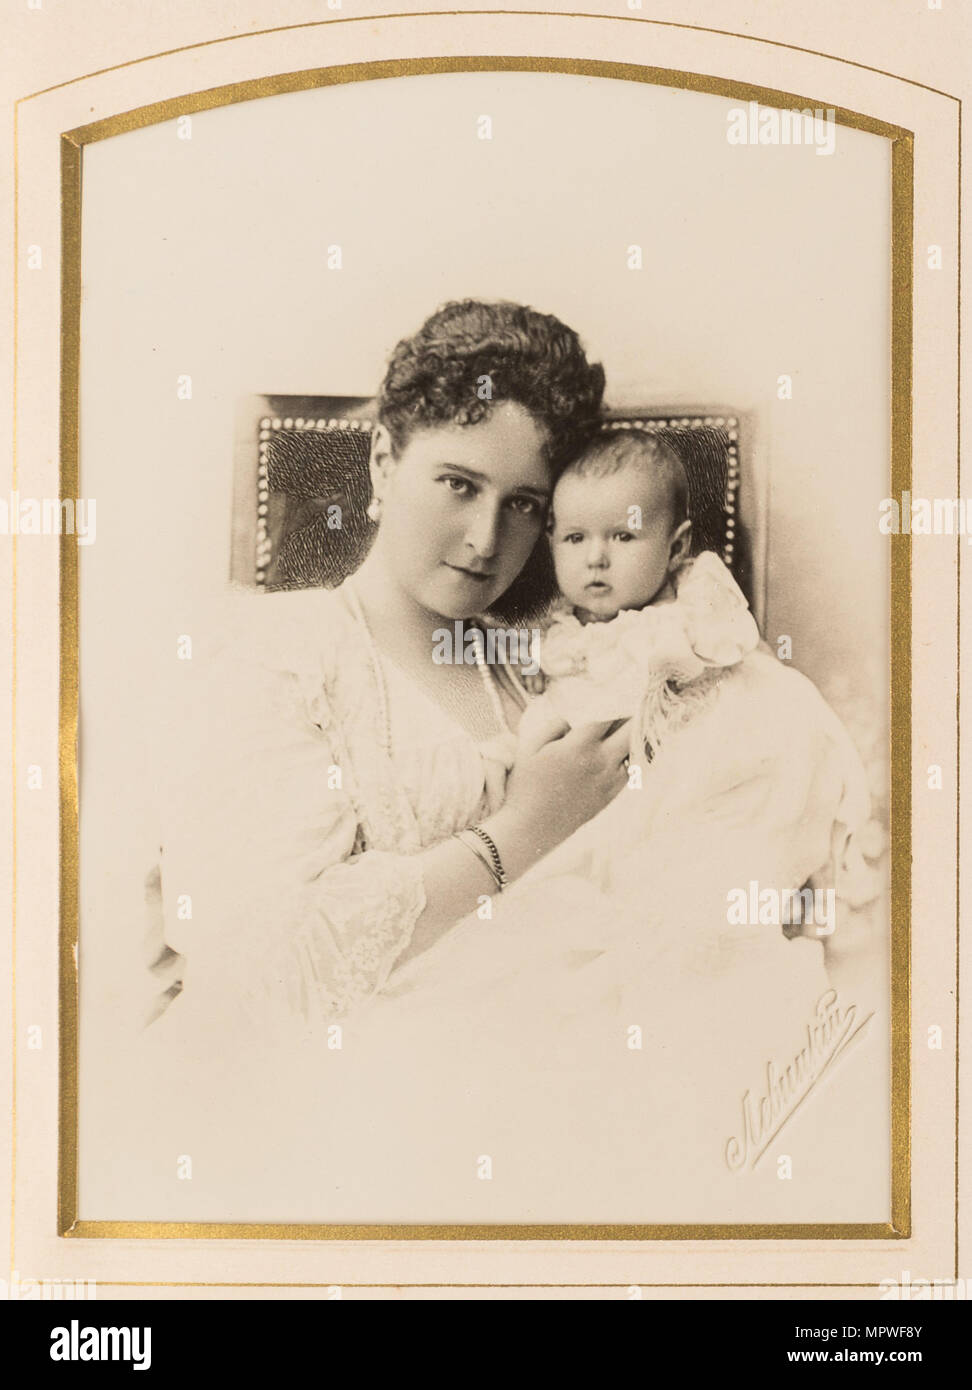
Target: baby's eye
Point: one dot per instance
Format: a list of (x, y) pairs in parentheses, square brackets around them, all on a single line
[(623, 536)]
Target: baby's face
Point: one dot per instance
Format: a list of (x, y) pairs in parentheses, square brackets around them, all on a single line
[(604, 559)]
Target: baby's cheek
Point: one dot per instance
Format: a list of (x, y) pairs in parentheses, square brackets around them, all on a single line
[(569, 574)]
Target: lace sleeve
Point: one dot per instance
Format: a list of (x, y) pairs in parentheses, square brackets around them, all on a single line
[(281, 918)]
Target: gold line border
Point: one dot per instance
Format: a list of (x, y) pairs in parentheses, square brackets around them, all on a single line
[(13, 709), (69, 862), (452, 14), (958, 683), (72, 143), (902, 278), (434, 1284), (283, 1230)]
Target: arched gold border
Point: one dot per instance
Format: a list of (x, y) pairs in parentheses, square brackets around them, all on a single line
[(901, 276)]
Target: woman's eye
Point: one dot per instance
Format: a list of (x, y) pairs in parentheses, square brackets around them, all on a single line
[(526, 506), (462, 486), (573, 538)]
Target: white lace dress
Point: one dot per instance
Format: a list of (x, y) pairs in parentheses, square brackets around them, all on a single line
[(300, 854)]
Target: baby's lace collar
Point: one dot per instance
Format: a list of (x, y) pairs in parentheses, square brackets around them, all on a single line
[(707, 624)]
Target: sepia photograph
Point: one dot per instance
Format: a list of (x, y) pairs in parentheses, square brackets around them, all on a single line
[(485, 696)]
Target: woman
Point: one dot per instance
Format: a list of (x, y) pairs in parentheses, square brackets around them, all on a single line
[(354, 758)]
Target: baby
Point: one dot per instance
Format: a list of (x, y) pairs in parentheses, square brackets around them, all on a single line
[(639, 619), (731, 750)]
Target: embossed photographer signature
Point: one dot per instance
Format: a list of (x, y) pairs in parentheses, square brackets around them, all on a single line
[(829, 1033)]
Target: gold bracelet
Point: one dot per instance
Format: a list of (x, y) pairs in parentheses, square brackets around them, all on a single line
[(473, 848), (497, 864)]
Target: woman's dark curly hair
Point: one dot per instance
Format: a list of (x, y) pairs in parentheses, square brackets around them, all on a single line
[(438, 376)]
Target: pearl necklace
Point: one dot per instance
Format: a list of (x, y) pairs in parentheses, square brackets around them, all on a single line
[(384, 714)]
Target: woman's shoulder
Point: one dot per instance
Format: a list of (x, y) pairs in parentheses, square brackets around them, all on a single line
[(300, 631)]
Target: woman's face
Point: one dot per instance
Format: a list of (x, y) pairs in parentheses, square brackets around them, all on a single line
[(462, 508)]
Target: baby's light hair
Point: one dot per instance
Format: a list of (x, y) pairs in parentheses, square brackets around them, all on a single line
[(614, 449)]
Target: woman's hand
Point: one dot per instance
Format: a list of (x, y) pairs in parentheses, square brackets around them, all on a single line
[(562, 777)]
